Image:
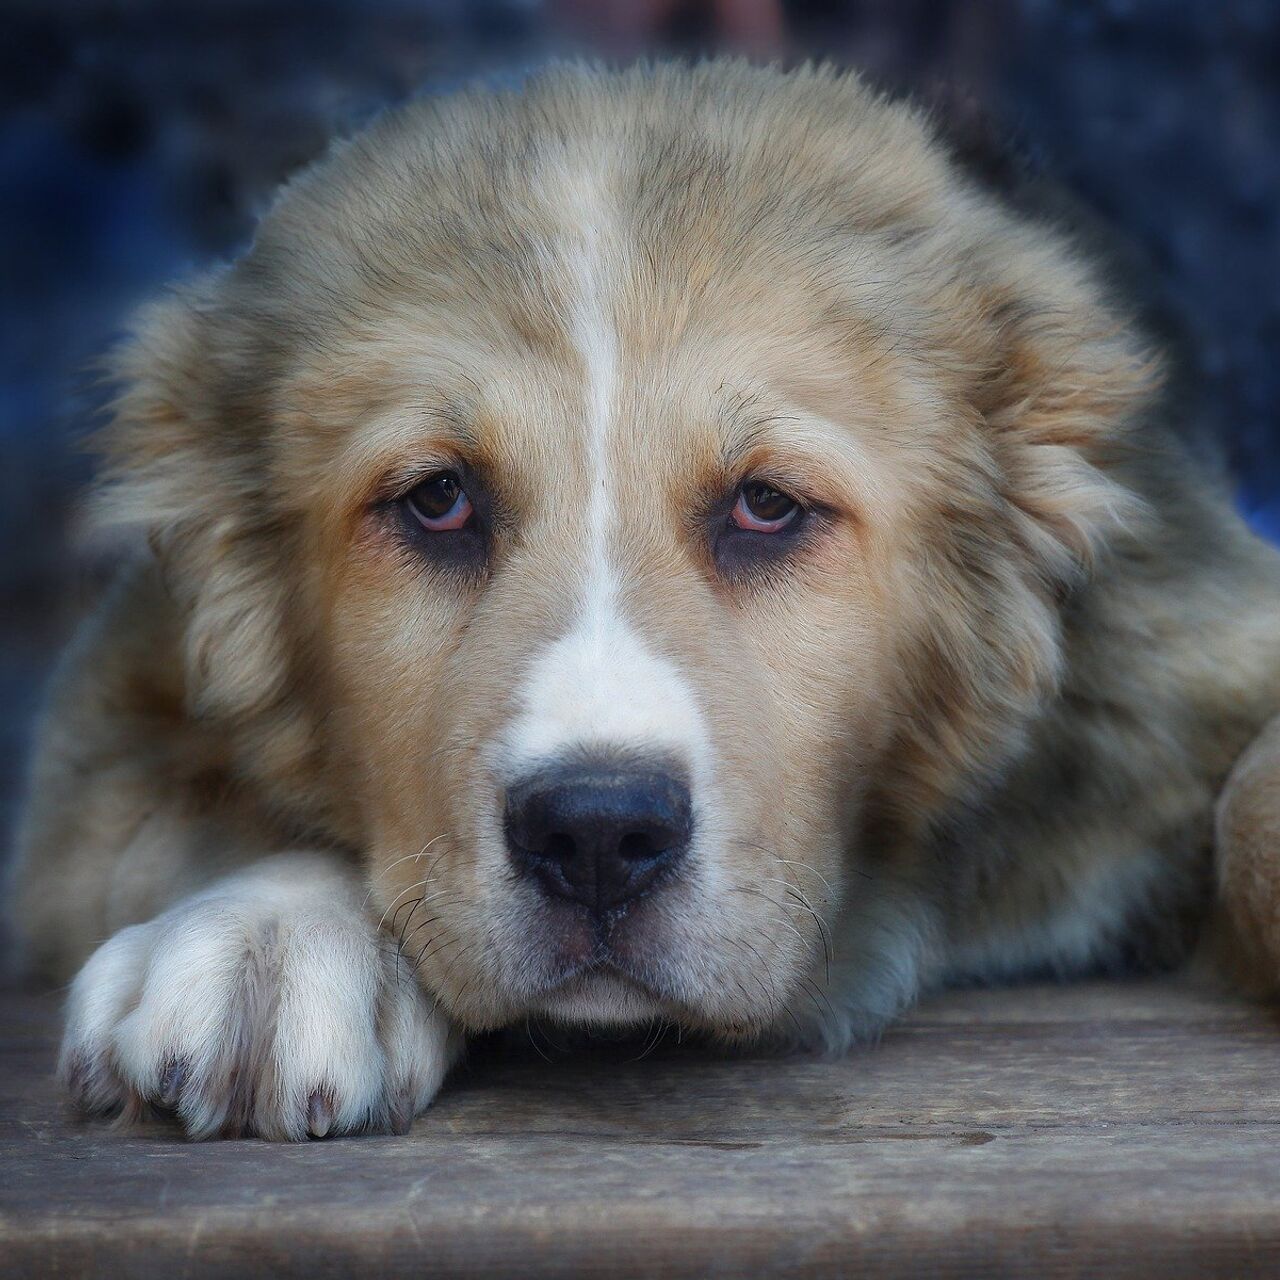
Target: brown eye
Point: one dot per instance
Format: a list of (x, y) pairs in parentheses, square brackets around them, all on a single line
[(440, 503), (763, 509)]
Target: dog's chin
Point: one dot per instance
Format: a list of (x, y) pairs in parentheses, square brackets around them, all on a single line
[(601, 997)]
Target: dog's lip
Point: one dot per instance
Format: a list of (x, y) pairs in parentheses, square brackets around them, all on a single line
[(615, 995), (611, 967), (603, 966)]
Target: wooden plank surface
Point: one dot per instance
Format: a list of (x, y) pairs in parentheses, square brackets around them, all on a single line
[(1126, 1129)]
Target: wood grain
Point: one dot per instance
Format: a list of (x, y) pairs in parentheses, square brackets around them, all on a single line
[(1123, 1130)]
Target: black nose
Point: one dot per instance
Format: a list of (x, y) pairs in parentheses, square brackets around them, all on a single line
[(599, 835)]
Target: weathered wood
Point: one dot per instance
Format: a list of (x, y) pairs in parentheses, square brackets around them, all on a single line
[(1121, 1130)]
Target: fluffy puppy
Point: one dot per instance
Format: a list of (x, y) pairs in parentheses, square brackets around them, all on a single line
[(667, 545)]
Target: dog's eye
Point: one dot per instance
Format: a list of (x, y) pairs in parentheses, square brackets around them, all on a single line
[(763, 528), (440, 503), (763, 509)]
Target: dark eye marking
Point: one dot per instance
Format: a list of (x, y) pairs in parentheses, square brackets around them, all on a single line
[(758, 528)]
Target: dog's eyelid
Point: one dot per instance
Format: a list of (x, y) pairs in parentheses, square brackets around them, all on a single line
[(397, 485), (778, 485), (802, 455), (807, 478)]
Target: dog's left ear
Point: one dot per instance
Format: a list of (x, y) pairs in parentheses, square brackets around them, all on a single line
[(1036, 495)]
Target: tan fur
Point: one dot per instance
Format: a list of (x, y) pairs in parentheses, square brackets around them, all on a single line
[(1248, 871), (977, 728)]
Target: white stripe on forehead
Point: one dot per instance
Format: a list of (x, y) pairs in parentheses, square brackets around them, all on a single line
[(599, 685), (596, 336)]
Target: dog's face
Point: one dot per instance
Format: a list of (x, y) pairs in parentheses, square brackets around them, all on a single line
[(609, 626), (629, 519)]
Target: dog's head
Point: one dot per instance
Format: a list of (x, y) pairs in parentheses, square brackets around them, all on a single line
[(629, 510)]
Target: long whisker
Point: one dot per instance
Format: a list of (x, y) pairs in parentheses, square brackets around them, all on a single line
[(528, 1029), (457, 1000), (823, 933), (656, 1028), (809, 986), (770, 993), (426, 897), (754, 892), (804, 866), (430, 920), (422, 955), (382, 871), (411, 887), (823, 930), (775, 1002)]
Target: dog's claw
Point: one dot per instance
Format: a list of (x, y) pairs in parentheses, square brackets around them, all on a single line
[(172, 1080), (319, 1114), (75, 1075), (93, 1089), (400, 1117)]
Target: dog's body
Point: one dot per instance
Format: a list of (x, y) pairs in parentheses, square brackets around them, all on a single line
[(660, 545)]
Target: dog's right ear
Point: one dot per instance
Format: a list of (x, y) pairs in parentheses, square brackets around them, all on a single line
[(184, 455)]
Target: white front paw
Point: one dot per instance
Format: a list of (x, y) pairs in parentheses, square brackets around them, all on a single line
[(268, 1004)]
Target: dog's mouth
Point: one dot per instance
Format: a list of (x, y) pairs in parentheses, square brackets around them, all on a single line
[(601, 971)]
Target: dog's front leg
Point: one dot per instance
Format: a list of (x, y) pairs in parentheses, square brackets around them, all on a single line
[(268, 1004)]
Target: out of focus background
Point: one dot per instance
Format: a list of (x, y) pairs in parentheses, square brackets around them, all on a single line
[(138, 139)]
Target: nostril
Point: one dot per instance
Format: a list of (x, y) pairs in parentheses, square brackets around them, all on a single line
[(557, 847), (636, 846)]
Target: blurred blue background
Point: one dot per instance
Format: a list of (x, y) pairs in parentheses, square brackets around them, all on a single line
[(137, 140)]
